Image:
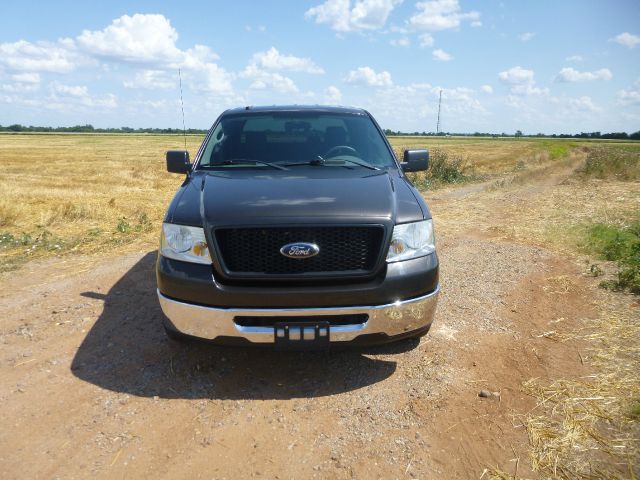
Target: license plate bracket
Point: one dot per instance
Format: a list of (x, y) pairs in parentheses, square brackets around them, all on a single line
[(301, 335)]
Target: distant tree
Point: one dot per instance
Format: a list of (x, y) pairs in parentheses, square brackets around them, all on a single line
[(518, 133)]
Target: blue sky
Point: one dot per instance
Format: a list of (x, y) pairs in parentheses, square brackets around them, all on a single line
[(538, 66)]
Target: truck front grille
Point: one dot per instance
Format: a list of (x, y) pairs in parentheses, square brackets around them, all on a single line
[(344, 250)]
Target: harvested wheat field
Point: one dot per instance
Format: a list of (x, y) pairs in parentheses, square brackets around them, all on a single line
[(530, 370)]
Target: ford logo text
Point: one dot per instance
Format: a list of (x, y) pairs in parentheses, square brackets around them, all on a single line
[(300, 250)]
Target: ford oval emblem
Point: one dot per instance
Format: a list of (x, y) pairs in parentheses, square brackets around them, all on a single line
[(300, 250)]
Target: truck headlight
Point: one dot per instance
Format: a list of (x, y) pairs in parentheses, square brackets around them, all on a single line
[(184, 243), (411, 240)]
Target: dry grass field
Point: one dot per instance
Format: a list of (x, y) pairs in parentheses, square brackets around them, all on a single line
[(483, 155), (98, 193), (528, 231), (83, 193)]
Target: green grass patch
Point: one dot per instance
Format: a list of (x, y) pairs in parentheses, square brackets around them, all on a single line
[(612, 162), (620, 244), (444, 168), (143, 224), (31, 242), (15, 250), (557, 148), (123, 225)]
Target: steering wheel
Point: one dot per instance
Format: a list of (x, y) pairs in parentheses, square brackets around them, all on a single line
[(334, 151)]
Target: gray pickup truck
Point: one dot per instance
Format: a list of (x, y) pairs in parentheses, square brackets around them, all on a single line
[(297, 227)]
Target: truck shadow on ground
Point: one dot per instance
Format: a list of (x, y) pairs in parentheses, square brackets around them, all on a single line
[(127, 351)]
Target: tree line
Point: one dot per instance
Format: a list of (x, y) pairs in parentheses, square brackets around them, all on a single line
[(518, 133), (91, 129)]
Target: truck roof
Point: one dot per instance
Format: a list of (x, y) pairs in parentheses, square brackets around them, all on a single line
[(295, 108)]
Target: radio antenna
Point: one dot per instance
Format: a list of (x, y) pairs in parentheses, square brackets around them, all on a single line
[(439, 106), (184, 129)]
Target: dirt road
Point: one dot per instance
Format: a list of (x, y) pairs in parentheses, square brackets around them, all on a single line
[(90, 386)]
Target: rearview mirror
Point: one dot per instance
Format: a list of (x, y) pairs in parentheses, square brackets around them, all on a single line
[(415, 160), (178, 161)]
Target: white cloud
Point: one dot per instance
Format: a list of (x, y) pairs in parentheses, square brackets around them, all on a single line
[(263, 66), (198, 58), (487, 89), (152, 79), (26, 77), (630, 97), (574, 58), (147, 40), (332, 95), (400, 42), (150, 40), (58, 57), (211, 79), (415, 107), (272, 59), (138, 39), (437, 15), (516, 76), (368, 76), (274, 81), (571, 107), (66, 97), (70, 91), (525, 37), (426, 40), (441, 55), (476, 23), (584, 104), (627, 39), (19, 87), (521, 83), (263, 80), (259, 28), (529, 90), (342, 17), (569, 74)]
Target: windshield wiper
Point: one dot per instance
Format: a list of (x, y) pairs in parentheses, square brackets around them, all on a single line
[(356, 162), (245, 161), (321, 162), (315, 162)]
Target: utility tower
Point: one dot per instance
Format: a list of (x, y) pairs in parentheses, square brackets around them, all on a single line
[(439, 106)]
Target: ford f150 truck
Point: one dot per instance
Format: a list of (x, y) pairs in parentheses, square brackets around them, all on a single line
[(296, 226)]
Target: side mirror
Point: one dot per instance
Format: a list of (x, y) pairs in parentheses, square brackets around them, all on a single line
[(415, 160), (178, 161)]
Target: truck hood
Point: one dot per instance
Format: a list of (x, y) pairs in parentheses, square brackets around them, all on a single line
[(245, 198)]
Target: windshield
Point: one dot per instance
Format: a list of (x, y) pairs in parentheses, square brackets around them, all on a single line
[(296, 138)]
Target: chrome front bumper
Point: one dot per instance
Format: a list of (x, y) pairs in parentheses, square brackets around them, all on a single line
[(210, 322)]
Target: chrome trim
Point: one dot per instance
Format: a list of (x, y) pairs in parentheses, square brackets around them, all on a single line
[(211, 322)]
